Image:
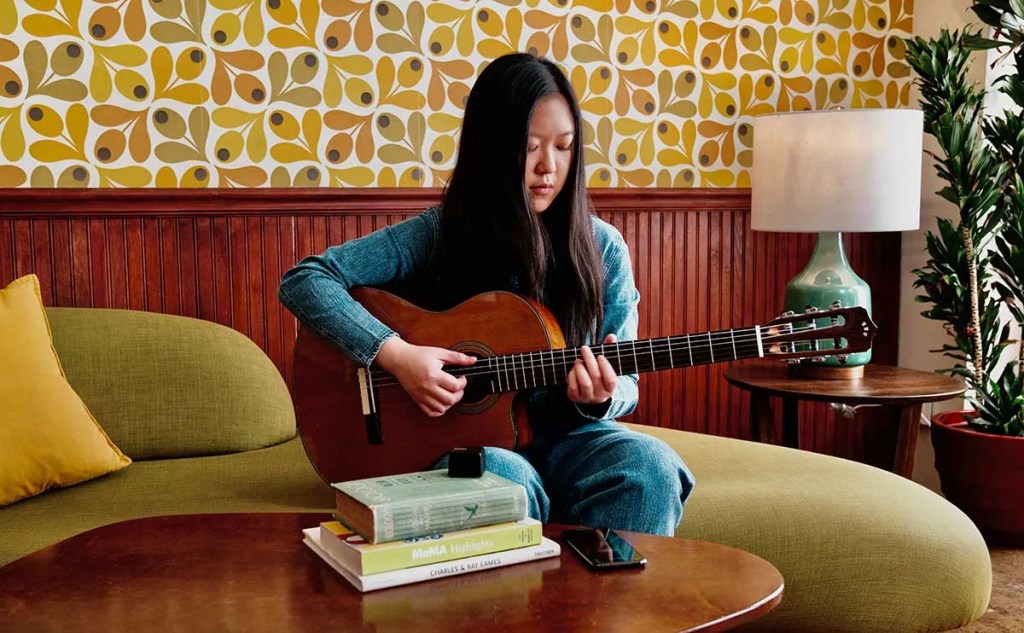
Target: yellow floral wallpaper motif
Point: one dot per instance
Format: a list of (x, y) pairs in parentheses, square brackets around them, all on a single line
[(249, 93)]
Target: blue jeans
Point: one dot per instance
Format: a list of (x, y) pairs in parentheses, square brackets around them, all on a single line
[(600, 475)]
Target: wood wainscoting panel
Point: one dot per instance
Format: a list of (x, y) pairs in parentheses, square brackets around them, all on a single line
[(219, 255)]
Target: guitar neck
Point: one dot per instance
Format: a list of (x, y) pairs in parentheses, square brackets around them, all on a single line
[(512, 372)]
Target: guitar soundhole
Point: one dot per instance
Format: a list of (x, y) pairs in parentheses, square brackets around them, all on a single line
[(477, 396), (477, 392)]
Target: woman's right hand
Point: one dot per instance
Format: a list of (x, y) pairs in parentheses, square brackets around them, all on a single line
[(420, 371)]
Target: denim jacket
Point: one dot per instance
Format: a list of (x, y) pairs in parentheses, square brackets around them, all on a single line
[(316, 291)]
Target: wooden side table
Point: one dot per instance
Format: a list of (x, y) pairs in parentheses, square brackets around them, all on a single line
[(897, 388)]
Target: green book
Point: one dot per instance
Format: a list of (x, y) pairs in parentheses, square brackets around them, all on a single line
[(398, 507), (364, 558)]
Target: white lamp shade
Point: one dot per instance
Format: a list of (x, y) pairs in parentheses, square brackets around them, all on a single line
[(837, 170)]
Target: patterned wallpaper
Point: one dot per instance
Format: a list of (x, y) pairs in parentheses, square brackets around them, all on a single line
[(248, 93)]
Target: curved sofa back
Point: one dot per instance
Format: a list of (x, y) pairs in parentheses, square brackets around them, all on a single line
[(168, 386)]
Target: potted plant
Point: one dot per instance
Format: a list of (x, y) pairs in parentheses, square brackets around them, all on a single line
[(972, 277)]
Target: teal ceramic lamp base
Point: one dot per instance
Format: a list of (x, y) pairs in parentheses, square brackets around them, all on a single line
[(828, 278), (828, 172)]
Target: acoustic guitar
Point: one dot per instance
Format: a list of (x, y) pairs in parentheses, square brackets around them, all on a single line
[(358, 422)]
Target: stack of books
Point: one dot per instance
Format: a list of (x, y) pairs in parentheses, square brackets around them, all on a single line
[(409, 528)]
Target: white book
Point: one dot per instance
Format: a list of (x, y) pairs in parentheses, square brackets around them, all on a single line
[(372, 582)]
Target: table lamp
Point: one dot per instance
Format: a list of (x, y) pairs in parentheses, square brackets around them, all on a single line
[(830, 172)]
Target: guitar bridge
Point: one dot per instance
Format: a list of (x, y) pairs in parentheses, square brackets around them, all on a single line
[(371, 416)]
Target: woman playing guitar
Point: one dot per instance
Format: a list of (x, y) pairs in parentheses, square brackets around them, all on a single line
[(515, 217)]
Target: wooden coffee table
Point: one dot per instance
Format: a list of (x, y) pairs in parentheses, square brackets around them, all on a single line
[(251, 572)]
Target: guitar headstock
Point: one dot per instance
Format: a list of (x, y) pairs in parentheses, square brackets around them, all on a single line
[(798, 336)]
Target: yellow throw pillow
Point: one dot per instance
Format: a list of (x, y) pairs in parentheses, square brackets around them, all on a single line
[(48, 438)]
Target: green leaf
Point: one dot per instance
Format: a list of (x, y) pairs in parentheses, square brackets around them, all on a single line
[(588, 53), (304, 96), (35, 63), (65, 89), (987, 14), (172, 32), (392, 43), (277, 69), (199, 126), (392, 153), (196, 11), (975, 42), (173, 152)]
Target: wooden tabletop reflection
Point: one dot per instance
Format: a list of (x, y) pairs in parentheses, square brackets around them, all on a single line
[(251, 572)]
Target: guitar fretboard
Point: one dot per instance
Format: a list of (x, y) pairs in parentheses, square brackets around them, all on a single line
[(512, 372)]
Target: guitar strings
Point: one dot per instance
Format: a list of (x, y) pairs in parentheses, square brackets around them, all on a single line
[(529, 363), (486, 366), (665, 345), (526, 365)]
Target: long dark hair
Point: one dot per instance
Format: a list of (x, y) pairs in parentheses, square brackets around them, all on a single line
[(490, 233)]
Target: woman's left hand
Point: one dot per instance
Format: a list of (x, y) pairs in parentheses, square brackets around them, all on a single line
[(592, 379)]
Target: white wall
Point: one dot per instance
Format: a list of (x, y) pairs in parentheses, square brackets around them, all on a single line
[(917, 334), (996, 103)]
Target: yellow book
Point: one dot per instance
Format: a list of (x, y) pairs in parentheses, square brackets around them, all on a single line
[(365, 558), (546, 549)]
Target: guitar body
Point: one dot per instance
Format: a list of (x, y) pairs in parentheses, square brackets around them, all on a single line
[(357, 423), (330, 402)]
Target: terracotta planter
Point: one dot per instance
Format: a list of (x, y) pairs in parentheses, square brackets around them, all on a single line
[(983, 475)]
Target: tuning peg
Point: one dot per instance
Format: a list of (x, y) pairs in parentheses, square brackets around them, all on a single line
[(836, 304), (811, 309), (794, 361), (818, 359), (842, 358)]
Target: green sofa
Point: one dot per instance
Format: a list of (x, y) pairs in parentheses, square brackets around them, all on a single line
[(209, 423)]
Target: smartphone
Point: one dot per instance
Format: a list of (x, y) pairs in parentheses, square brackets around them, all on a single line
[(603, 548)]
